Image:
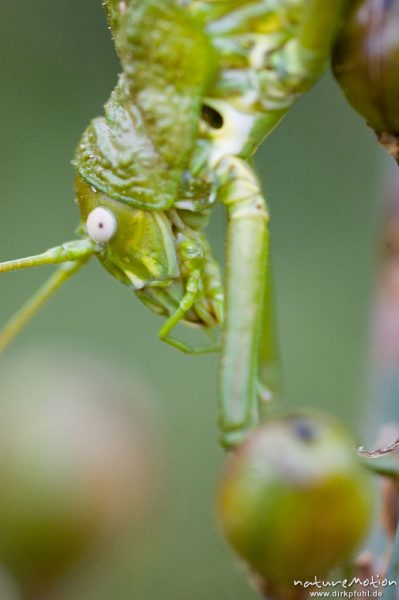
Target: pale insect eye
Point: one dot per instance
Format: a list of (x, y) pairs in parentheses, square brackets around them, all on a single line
[(101, 224)]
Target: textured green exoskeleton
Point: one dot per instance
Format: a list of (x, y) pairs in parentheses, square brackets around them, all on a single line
[(202, 84)]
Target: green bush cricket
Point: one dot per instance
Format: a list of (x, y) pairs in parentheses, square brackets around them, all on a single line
[(202, 84)]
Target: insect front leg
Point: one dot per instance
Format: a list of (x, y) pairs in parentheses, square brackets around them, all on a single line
[(214, 290), (158, 299), (246, 264), (194, 262), (186, 303)]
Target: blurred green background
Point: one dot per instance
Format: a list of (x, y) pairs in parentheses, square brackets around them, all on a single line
[(322, 173)]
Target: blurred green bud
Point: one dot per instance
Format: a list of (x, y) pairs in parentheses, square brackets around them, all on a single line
[(294, 501), (366, 63), (77, 464)]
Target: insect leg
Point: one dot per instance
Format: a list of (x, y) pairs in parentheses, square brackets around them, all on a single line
[(186, 303), (214, 289), (73, 255), (303, 59), (246, 263), (33, 305), (269, 371), (159, 300), (319, 27), (209, 301)]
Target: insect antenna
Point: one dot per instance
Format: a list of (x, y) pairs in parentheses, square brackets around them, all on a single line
[(72, 255)]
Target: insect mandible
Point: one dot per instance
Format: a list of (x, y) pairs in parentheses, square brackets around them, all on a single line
[(203, 83)]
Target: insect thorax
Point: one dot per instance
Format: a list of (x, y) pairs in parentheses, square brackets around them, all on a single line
[(213, 78), (258, 76)]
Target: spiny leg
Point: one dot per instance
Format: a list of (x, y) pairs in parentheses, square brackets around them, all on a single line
[(247, 250), (73, 255)]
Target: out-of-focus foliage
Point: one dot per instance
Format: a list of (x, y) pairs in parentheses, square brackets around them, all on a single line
[(322, 178), (79, 465), (366, 63)]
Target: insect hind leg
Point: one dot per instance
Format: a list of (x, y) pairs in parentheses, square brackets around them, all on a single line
[(246, 262)]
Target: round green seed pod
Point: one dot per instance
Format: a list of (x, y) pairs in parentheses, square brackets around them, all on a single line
[(366, 62), (294, 500)]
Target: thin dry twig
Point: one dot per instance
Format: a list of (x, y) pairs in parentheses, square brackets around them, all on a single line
[(379, 451)]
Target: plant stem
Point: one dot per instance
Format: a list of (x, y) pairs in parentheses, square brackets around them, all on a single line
[(383, 468), (391, 591)]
